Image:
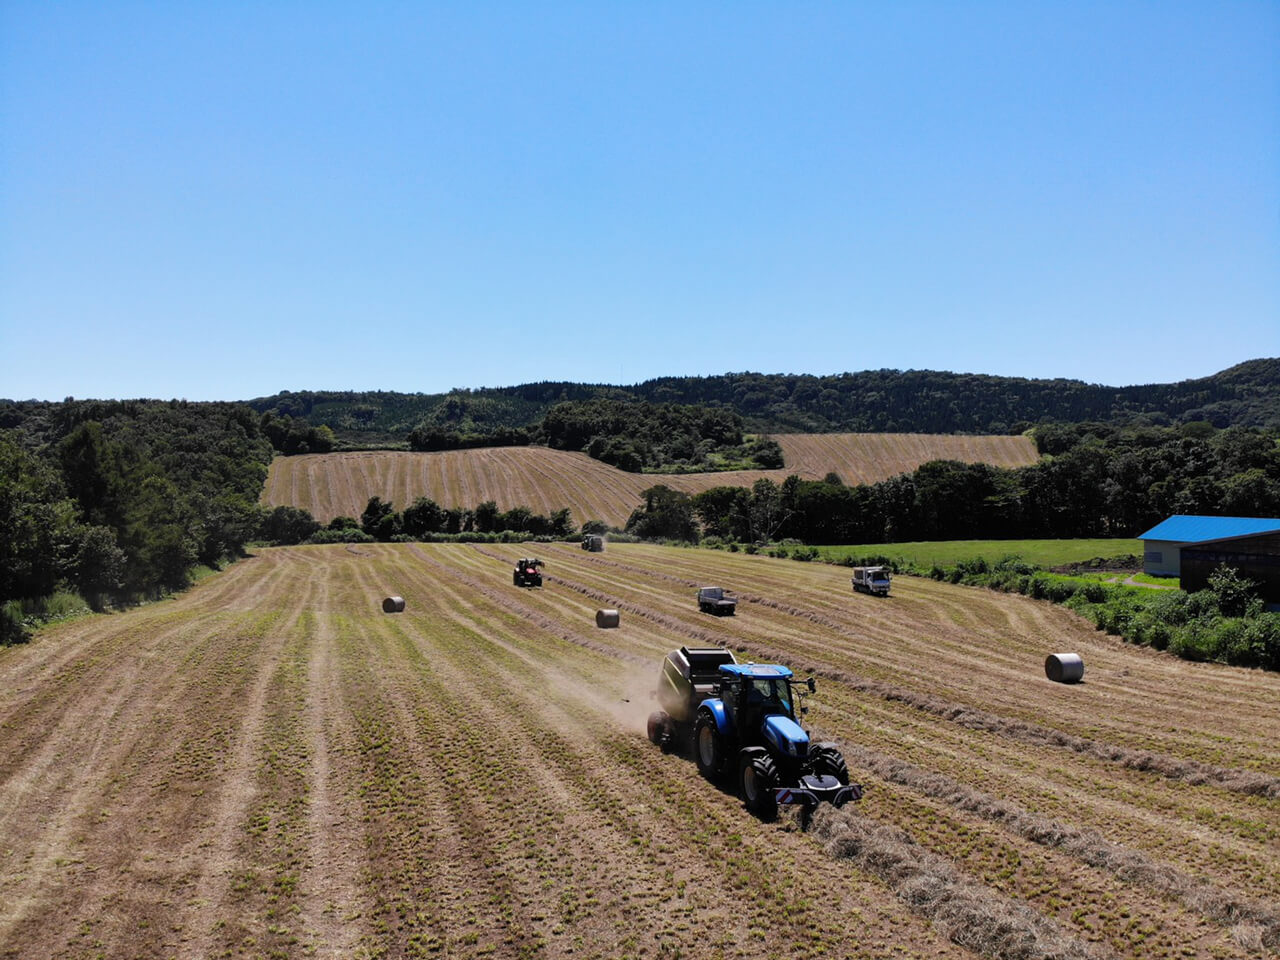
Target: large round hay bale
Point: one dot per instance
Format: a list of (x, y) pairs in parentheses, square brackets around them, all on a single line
[(1064, 667), (393, 605), (607, 618)]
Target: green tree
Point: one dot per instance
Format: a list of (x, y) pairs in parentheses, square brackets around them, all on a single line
[(287, 525), (422, 517), (561, 524), (379, 517), (767, 511), (666, 514), (486, 517), (38, 528)]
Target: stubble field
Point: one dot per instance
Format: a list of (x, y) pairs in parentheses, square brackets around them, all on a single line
[(269, 766), (340, 484)]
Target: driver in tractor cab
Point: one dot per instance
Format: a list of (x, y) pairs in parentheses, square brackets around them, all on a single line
[(764, 698)]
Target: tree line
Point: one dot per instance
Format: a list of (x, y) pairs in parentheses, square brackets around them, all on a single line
[(872, 401), (1097, 480)]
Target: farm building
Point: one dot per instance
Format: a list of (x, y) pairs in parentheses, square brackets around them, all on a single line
[(1192, 547)]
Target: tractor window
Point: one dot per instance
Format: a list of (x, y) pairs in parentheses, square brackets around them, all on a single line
[(773, 695)]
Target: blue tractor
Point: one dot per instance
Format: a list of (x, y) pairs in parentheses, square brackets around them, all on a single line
[(744, 724)]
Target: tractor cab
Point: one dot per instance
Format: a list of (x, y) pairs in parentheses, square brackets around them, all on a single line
[(759, 701)]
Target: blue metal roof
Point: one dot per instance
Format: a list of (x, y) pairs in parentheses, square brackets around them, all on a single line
[(757, 671), (1184, 529)]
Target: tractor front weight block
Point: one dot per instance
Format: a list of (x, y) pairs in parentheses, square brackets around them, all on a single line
[(818, 789)]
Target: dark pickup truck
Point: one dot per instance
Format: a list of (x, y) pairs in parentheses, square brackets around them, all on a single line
[(715, 600)]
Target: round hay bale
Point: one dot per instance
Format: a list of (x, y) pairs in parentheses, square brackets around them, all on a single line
[(607, 618), (1064, 667), (393, 605)]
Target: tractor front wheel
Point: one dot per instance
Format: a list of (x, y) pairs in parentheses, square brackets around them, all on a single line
[(758, 778), (828, 760), (707, 748)]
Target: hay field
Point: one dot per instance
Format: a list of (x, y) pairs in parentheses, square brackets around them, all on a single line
[(340, 484), (269, 766), (871, 457)]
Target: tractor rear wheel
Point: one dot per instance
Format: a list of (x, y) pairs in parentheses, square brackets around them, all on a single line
[(708, 749), (828, 760), (758, 778)]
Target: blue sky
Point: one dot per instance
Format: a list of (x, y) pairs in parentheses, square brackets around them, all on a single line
[(224, 200)]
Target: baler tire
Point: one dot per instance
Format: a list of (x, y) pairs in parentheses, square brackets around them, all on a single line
[(757, 777), (708, 751), (827, 759), (657, 721)]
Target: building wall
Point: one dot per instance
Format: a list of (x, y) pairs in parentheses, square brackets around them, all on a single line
[(1257, 558), (1162, 558)]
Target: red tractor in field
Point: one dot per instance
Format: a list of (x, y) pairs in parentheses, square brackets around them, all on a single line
[(527, 573)]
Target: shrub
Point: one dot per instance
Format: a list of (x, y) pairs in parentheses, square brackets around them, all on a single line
[(1232, 591), (1193, 642), (341, 535), (11, 629)]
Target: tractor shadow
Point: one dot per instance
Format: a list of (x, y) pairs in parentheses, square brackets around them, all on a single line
[(788, 818)]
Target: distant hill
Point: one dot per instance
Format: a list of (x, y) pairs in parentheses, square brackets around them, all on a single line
[(873, 401), (340, 484)]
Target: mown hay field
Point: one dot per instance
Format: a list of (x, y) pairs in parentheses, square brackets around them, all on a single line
[(544, 480), (270, 766)]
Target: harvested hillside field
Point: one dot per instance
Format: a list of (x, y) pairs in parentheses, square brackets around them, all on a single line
[(271, 766), (340, 484), (871, 457)]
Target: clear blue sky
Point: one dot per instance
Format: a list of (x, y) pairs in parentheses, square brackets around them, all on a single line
[(223, 200)]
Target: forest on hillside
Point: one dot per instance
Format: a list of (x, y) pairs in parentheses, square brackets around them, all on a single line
[(872, 401)]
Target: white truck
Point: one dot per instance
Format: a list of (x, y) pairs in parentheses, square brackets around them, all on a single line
[(872, 580)]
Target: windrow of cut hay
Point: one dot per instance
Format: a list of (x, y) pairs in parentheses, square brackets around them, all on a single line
[(1252, 923), (969, 913), (544, 480)]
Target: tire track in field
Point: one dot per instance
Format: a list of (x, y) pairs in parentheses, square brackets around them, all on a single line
[(103, 679), (218, 857), (411, 757), (43, 780), (331, 869), (1192, 772), (105, 821)]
